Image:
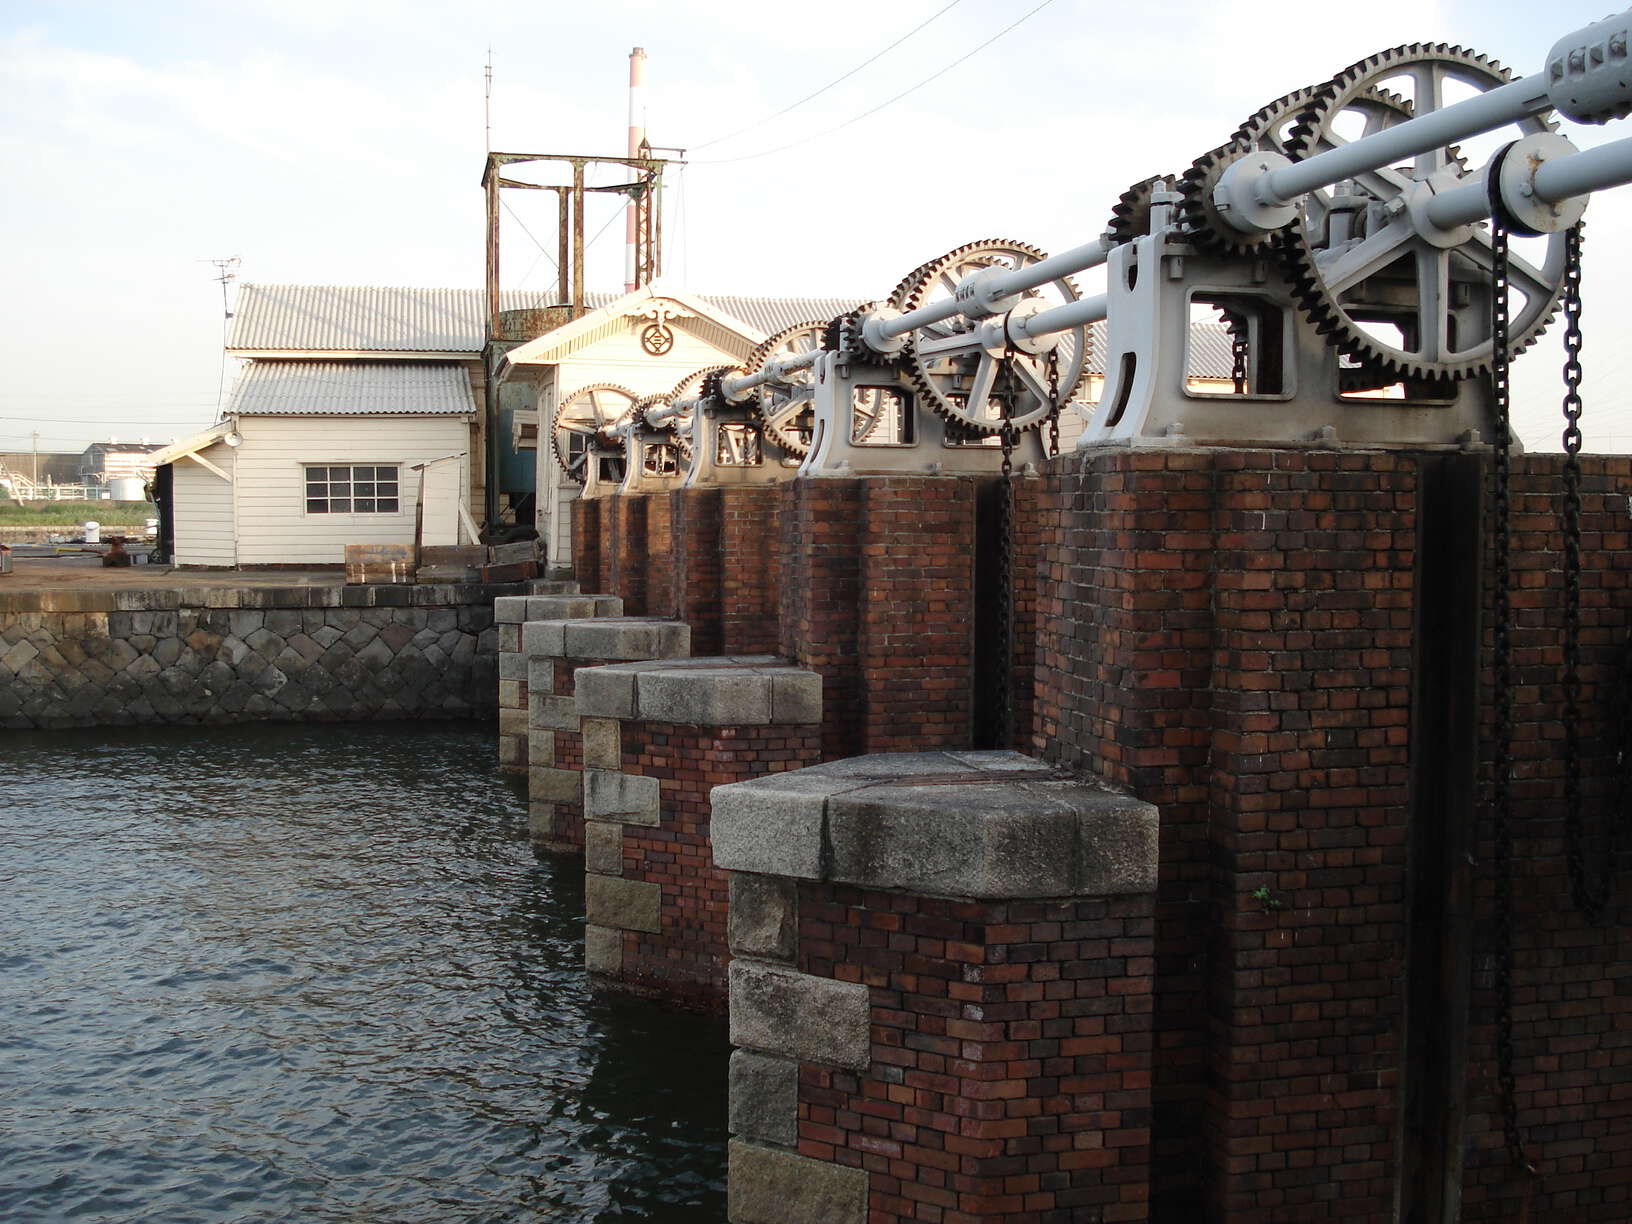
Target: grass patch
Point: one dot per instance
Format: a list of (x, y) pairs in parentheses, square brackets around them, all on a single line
[(72, 514)]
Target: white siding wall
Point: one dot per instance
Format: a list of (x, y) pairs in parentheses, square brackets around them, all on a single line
[(203, 509), (619, 360), (273, 526)]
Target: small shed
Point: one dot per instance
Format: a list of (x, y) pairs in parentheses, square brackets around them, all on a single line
[(314, 455)]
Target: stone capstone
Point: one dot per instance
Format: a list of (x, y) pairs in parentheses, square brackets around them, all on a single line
[(974, 825), (733, 691)]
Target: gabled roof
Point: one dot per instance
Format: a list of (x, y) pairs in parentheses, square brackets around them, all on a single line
[(365, 319), (352, 388)]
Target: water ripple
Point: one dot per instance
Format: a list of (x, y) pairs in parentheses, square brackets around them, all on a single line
[(260, 973)]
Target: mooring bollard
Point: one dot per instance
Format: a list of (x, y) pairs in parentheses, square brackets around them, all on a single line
[(658, 737), (940, 991)]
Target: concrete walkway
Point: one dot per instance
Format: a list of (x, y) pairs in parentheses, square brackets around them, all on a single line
[(87, 573)]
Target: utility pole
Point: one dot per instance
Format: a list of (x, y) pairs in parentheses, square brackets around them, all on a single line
[(36, 475)]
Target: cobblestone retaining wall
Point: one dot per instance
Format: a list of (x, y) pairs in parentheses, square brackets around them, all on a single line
[(96, 658)]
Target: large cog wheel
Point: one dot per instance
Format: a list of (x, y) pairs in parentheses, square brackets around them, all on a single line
[(1388, 297), (691, 387), (786, 408), (1265, 130), (972, 389), (588, 420), (1130, 215)]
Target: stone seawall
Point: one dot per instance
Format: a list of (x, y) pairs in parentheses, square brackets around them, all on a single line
[(238, 654)]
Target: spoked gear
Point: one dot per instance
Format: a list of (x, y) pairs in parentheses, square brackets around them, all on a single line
[(641, 420), (1364, 273), (1130, 217), (691, 387), (1265, 130), (786, 407), (904, 287), (588, 420), (843, 336), (971, 389)]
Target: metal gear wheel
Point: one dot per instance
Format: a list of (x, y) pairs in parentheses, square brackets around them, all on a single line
[(692, 386), (1264, 129), (904, 287), (786, 408), (1390, 299), (948, 384), (587, 419), (639, 421), (1130, 217)]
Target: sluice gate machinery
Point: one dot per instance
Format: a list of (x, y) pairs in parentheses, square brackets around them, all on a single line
[(1344, 236)]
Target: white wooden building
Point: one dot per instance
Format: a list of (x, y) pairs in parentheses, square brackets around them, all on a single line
[(313, 456), (347, 389), (605, 346)]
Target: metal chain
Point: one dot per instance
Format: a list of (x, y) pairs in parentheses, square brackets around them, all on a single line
[(1502, 696), (1008, 436), (1239, 351), (1052, 362), (1589, 885)]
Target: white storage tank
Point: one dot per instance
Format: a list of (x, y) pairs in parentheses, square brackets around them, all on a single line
[(127, 488)]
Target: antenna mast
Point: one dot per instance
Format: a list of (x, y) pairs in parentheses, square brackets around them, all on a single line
[(225, 273)]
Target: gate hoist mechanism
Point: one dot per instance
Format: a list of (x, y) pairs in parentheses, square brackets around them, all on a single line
[(1341, 236)]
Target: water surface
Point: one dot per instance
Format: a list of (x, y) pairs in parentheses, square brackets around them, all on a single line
[(315, 972)]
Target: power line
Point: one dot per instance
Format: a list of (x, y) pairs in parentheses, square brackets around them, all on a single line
[(721, 161), (542, 250), (836, 81), (62, 420)]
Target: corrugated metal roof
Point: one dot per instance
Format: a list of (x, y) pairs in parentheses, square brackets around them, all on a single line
[(361, 318), (1210, 355), (769, 315), (352, 388)]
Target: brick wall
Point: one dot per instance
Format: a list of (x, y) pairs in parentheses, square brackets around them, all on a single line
[(585, 515), (685, 960), (626, 544), (878, 597), (917, 603), (695, 525), (1009, 1073), (1238, 637), (821, 584), (659, 575), (1572, 1021), (750, 549)]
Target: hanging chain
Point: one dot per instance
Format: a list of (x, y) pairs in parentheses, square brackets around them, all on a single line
[(1589, 885), (1502, 697), (1055, 405), (1239, 351), (1008, 436)]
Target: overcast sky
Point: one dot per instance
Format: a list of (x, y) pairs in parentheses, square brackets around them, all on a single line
[(341, 142)]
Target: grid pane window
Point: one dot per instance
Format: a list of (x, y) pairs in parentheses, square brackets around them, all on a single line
[(367, 489)]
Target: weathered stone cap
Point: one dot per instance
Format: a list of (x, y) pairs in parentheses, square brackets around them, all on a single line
[(977, 825), (606, 637), (730, 691), (515, 609)]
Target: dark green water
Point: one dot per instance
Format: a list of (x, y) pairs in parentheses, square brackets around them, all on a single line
[(316, 973)]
